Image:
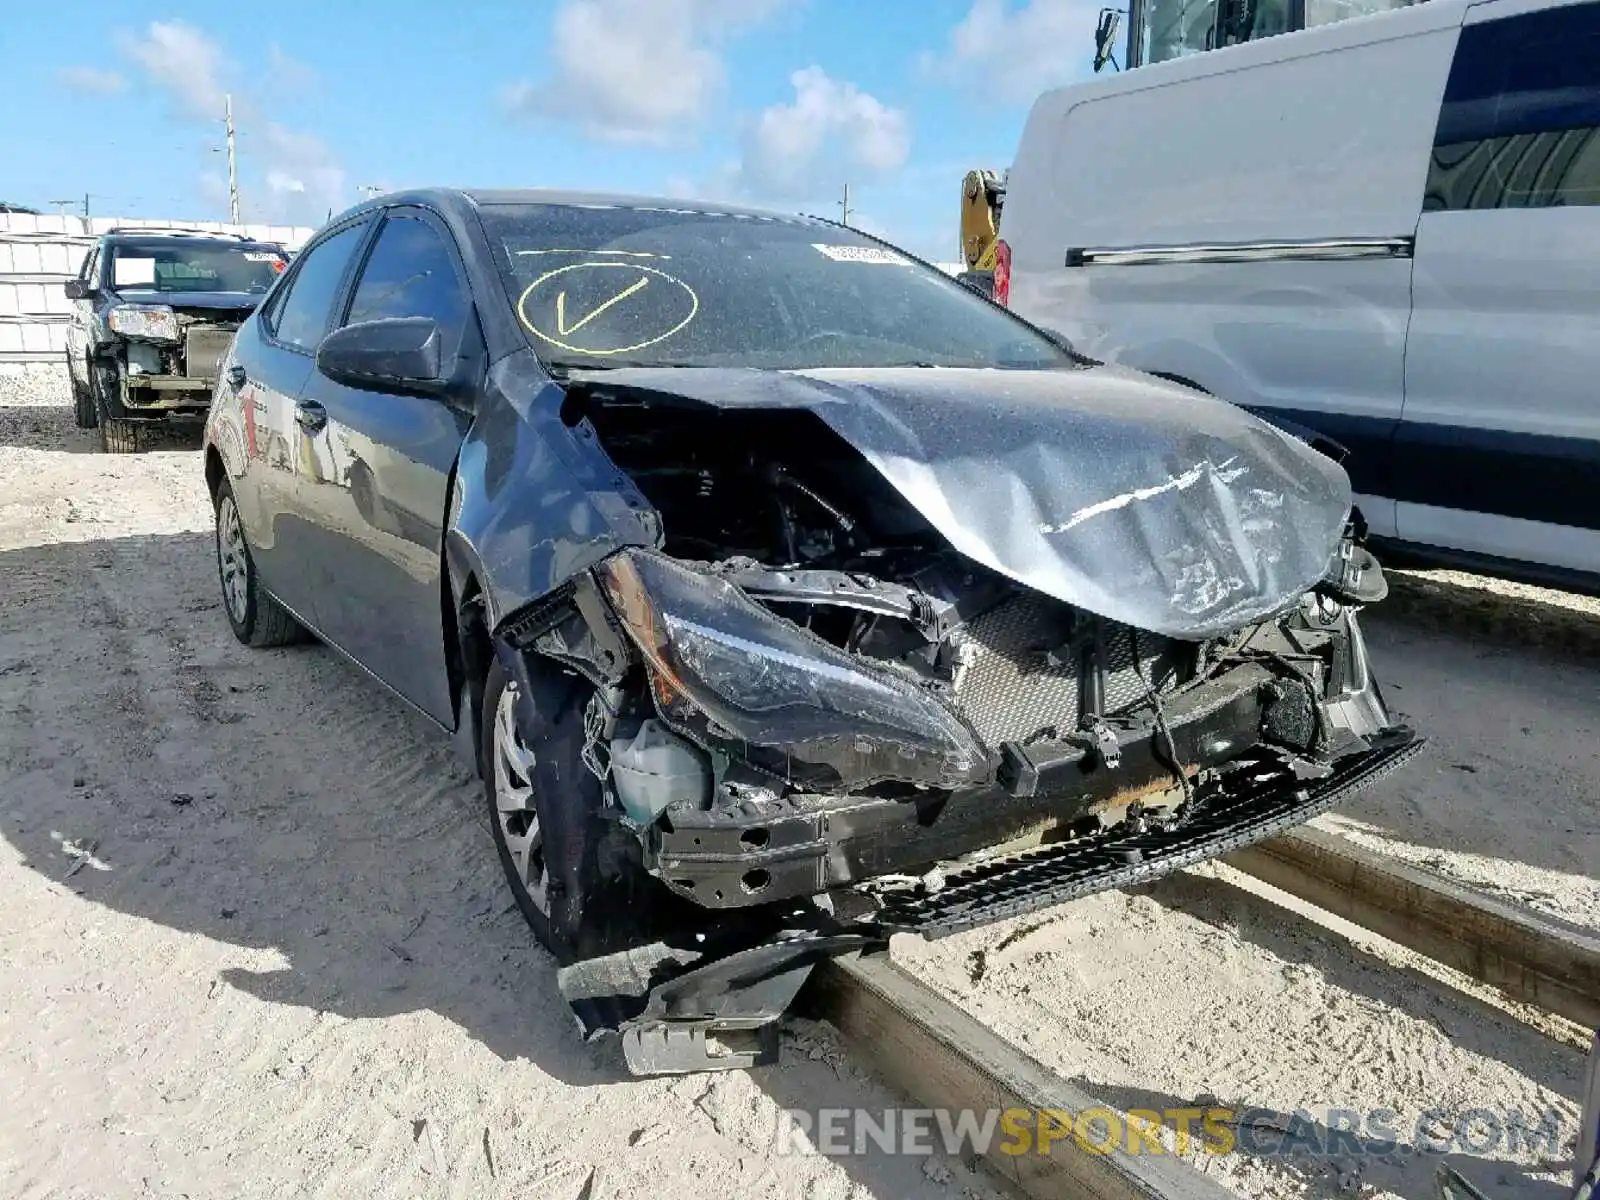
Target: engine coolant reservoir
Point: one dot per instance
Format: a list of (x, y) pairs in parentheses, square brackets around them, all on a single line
[(654, 768)]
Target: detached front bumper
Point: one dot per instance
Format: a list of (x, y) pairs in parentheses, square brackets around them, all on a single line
[(712, 1008)]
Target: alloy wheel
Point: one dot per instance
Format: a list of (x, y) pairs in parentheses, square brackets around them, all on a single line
[(515, 804), (233, 560)]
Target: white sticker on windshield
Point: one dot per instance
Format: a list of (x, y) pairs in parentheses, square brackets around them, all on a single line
[(131, 272), (261, 256), (861, 254)]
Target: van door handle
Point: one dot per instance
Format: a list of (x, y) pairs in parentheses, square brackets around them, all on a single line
[(310, 416), (236, 376)]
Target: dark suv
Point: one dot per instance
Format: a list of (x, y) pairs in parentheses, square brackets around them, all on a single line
[(153, 313)]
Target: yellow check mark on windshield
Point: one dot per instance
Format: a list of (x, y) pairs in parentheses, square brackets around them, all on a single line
[(561, 307)]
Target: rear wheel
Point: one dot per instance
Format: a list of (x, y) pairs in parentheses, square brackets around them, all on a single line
[(255, 617)]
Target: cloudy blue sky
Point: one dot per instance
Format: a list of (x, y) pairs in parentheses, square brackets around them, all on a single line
[(778, 102)]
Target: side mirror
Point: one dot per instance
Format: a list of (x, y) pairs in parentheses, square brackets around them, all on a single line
[(1105, 38), (396, 354), (77, 289)]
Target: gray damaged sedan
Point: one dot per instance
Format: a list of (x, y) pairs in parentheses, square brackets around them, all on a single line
[(784, 593)]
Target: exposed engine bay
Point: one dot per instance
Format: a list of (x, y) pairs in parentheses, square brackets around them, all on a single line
[(179, 367), (804, 694)]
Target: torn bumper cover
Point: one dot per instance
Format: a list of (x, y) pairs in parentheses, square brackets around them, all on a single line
[(978, 827), (679, 1011)]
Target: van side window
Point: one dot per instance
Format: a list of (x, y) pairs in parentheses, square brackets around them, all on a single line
[(1520, 123)]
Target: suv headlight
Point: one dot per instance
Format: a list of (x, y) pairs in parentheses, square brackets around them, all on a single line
[(154, 321), (765, 690)]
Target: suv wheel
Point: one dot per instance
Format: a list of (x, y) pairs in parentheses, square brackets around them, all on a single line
[(118, 435), (84, 415), (255, 617)]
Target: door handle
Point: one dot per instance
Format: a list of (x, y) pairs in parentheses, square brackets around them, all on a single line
[(310, 416), (236, 376)]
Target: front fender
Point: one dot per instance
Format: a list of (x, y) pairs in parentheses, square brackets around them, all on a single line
[(536, 501)]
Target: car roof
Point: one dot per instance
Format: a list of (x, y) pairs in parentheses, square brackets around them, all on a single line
[(459, 201)]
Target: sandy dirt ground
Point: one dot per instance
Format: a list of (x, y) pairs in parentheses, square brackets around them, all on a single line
[(255, 942), (253, 937)]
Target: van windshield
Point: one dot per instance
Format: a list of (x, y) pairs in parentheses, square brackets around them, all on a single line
[(633, 286), (1170, 29)]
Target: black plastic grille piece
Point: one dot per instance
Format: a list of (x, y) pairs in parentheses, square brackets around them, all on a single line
[(1019, 884)]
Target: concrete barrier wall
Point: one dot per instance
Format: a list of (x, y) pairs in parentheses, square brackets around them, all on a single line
[(40, 253)]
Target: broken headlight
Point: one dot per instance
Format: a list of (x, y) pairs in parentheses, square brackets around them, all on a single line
[(775, 695), (154, 321)]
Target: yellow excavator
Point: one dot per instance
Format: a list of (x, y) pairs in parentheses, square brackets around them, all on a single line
[(985, 258), (983, 195)]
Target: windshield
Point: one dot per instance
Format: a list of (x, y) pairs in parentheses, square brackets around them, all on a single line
[(194, 267), (625, 286)]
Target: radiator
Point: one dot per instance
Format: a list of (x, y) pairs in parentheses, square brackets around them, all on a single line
[(204, 347), (1020, 678)]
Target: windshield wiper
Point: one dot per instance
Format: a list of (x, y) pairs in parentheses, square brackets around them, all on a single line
[(561, 369)]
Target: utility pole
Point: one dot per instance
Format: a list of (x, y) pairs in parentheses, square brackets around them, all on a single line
[(61, 205), (845, 205), (233, 168), (86, 206)]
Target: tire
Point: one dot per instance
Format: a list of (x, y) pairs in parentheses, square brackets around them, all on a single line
[(118, 435), (575, 913), (256, 618), (84, 415)]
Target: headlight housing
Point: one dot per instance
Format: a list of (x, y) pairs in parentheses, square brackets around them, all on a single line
[(767, 691), (156, 322)]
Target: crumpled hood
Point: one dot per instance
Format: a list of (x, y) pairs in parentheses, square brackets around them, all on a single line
[(1145, 502)]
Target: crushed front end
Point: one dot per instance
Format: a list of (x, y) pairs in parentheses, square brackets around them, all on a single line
[(840, 728), (161, 360)]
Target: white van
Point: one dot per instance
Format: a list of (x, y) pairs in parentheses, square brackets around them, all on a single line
[(1386, 230)]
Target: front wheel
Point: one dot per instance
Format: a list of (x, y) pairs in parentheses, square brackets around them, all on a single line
[(545, 812), (118, 435)]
